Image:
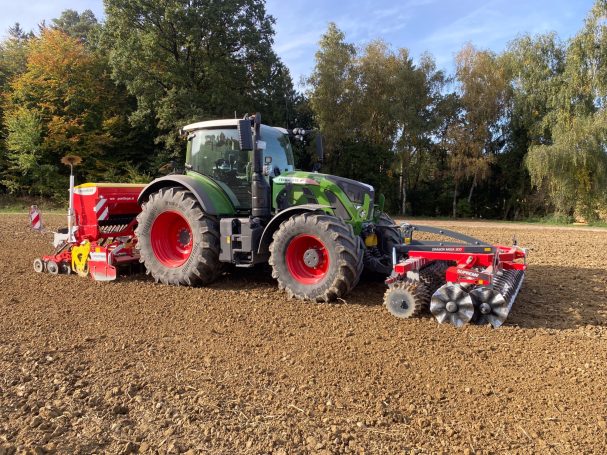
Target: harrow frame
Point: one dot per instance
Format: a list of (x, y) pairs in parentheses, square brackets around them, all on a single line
[(480, 280)]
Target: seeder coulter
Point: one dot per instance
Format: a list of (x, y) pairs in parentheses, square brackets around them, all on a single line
[(458, 282)]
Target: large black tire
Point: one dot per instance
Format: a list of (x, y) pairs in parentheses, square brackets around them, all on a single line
[(317, 257), (388, 234), (194, 258), (378, 260)]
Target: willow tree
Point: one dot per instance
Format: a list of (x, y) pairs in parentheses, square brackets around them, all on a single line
[(537, 65), (573, 166)]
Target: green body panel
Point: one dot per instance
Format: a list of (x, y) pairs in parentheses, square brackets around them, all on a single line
[(223, 204), (300, 187)]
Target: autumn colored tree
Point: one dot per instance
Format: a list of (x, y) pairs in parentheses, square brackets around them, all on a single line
[(63, 103)]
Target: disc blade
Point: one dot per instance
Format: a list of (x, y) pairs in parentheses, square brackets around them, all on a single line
[(499, 308), (452, 293)]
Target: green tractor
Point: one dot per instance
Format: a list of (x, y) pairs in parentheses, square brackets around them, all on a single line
[(241, 202)]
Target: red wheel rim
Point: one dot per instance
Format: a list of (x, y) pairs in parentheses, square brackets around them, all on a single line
[(307, 259), (171, 239)]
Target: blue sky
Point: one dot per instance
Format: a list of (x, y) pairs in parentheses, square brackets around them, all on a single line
[(440, 27)]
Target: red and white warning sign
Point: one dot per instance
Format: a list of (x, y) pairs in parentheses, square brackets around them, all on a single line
[(102, 209), (35, 218)]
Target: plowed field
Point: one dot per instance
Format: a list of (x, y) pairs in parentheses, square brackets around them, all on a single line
[(133, 366)]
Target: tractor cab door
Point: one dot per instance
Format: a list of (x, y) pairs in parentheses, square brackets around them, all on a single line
[(215, 152)]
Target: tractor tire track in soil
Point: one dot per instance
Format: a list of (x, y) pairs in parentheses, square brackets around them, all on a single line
[(237, 367)]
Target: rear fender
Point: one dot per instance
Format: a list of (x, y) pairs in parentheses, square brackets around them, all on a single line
[(198, 189)]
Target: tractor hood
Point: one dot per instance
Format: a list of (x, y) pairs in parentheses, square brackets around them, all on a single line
[(350, 200), (353, 189)]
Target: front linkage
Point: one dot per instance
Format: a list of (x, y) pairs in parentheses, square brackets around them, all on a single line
[(459, 282)]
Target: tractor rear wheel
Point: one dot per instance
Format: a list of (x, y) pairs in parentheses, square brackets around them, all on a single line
[(315, 256), (177, 241)]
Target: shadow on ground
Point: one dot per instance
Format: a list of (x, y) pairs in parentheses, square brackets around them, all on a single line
[(561, 298), (552, 297)]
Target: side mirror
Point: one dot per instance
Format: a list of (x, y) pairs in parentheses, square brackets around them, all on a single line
[(245, 135), (257, 125)]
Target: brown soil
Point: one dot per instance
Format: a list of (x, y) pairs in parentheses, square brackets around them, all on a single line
[(237, 367)]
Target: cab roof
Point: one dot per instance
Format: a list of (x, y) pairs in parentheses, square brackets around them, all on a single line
[(230, 122)]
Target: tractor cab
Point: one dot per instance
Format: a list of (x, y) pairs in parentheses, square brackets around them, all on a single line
[(214, 150)]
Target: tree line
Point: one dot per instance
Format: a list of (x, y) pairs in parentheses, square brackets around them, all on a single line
[(510, 135)]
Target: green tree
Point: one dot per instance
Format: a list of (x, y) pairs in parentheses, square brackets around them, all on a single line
[(190, 61), (77, 25), (477, 134), (537, 66), (572, 166), (24, 146), (13, 54), (421, 109), (334, 92), (379, 112), (13, 58)]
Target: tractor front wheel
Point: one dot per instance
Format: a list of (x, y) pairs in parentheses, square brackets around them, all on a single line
[(315, 256), (389, 234), (177, 241)]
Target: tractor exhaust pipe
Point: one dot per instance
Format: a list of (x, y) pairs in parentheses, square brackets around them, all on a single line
[(260, 189)]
